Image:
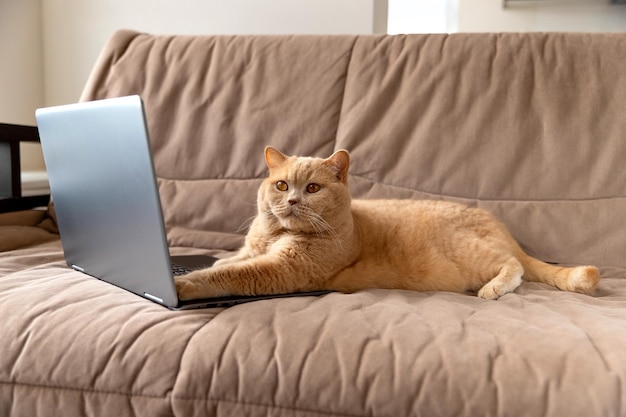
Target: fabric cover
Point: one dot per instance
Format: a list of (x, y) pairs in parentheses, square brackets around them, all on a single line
[(527, 126)]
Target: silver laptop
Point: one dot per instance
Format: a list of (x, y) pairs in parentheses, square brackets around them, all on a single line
[(107, 202)]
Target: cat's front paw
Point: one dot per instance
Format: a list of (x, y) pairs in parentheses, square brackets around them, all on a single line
[(195, 285), (186, 287)]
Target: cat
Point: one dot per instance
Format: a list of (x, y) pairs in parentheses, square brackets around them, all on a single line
[(309, 234)]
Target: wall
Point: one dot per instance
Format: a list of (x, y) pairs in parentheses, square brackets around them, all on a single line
[(542, 16), (21, 72)]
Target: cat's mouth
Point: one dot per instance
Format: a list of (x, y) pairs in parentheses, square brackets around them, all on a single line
[(291, 217), (302, 219), (286, 212)]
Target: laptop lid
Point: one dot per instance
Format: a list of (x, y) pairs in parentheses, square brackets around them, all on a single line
[(105, 193)]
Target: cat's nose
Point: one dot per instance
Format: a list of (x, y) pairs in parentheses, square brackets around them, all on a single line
[(293, 201)]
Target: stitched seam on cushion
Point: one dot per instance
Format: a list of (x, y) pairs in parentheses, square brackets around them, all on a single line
[(343, 95), (85, 390), (421, 191), (521, 200), (274, 407)]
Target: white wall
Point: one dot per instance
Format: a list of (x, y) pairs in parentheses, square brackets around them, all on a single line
[(21, 71), (540, 16)]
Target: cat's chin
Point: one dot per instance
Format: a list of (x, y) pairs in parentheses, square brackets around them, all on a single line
[(294, 223), (291, 222), (286, 214)]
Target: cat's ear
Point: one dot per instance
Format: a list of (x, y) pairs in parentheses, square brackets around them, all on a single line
[(273, 157), (339, 162)]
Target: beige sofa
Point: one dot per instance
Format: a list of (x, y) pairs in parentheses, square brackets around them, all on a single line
[(531, 127)]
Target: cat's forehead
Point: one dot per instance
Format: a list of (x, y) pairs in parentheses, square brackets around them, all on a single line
[(302, 169)]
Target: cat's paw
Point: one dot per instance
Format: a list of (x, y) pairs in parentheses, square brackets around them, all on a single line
[(495, 288), (505, 282), (198, 284), (489, 292), (186, 288)]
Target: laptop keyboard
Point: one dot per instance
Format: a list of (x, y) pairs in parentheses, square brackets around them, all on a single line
[(180, 270)]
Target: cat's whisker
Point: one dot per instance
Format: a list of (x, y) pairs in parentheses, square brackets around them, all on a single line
[(322, 227), (246, 224)]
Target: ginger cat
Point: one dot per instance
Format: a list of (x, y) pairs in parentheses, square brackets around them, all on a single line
[(310, 235)]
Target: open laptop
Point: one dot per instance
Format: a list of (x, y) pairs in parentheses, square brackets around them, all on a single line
[(107, 202)]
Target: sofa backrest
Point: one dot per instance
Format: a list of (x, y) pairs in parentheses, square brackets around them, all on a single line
[(528, 126)]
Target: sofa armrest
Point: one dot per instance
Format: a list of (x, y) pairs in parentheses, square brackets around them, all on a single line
[(11, 198)]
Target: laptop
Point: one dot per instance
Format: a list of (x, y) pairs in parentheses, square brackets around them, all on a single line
[(107, 201)]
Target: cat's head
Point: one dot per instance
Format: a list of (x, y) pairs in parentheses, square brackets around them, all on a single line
[(306, 194)]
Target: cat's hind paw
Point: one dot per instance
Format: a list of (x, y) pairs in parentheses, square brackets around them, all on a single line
[(490, 292), (499, 286), (508, 279)]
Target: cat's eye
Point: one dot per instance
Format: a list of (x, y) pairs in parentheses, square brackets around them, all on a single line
[(313, 188), (282, 186)]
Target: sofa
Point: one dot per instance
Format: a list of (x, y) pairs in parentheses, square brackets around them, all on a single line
[(529, 126)]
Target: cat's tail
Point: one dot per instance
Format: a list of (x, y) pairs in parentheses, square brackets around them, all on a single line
[(582, 279)]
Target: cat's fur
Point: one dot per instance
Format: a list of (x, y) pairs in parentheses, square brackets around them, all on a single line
[(310, 235)]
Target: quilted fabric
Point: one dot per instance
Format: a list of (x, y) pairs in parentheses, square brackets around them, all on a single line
[(77, 346), (528, 126)]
